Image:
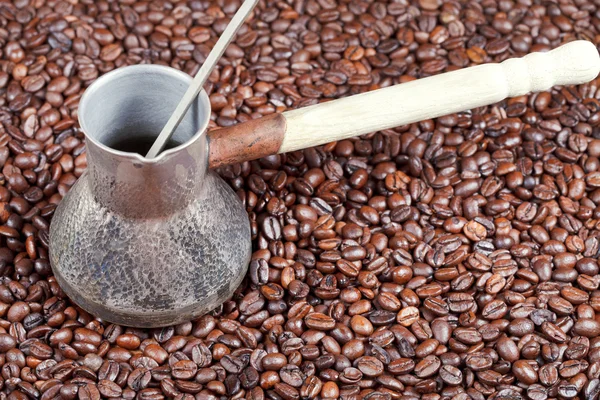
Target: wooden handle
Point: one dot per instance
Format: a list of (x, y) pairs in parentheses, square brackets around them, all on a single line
[(571, 64)]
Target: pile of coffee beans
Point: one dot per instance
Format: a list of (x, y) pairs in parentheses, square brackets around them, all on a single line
[(454, 258)]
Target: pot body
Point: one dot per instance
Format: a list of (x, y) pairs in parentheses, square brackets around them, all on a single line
[(147, 243)]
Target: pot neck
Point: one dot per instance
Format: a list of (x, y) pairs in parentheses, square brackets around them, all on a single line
[(138, 188)]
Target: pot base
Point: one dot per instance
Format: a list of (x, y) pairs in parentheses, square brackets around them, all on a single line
[(150, 273)]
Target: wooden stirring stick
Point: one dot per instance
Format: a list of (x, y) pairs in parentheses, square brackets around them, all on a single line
[(200, 78)]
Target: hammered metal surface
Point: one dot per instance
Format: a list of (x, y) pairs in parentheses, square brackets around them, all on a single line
[(150, 272)]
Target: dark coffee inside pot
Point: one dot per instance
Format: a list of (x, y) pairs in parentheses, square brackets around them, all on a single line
[(140, 145)]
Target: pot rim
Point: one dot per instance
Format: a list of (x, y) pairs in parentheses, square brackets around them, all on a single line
[(105, 79)]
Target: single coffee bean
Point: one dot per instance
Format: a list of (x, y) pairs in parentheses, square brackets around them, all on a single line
[(451, 375), (524, 372), (370, 366), (109, 389)]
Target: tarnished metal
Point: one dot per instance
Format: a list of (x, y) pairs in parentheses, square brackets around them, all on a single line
[(142, 242), (248, 141)]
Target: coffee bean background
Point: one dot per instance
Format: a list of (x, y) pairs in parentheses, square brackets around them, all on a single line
[(454, 258)]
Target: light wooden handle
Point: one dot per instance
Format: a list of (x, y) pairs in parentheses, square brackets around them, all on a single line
[(571, 64)]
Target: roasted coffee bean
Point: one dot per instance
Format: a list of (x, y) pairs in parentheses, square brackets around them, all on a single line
[(524, 372), (451, 375), (292, 375), (138, 379), (369, 366), (479, 361), (286, 391), (427, 367), (274, 361), (184, 369), (109, 389)]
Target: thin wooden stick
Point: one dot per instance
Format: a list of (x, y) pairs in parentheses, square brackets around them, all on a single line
[(200, 78)]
